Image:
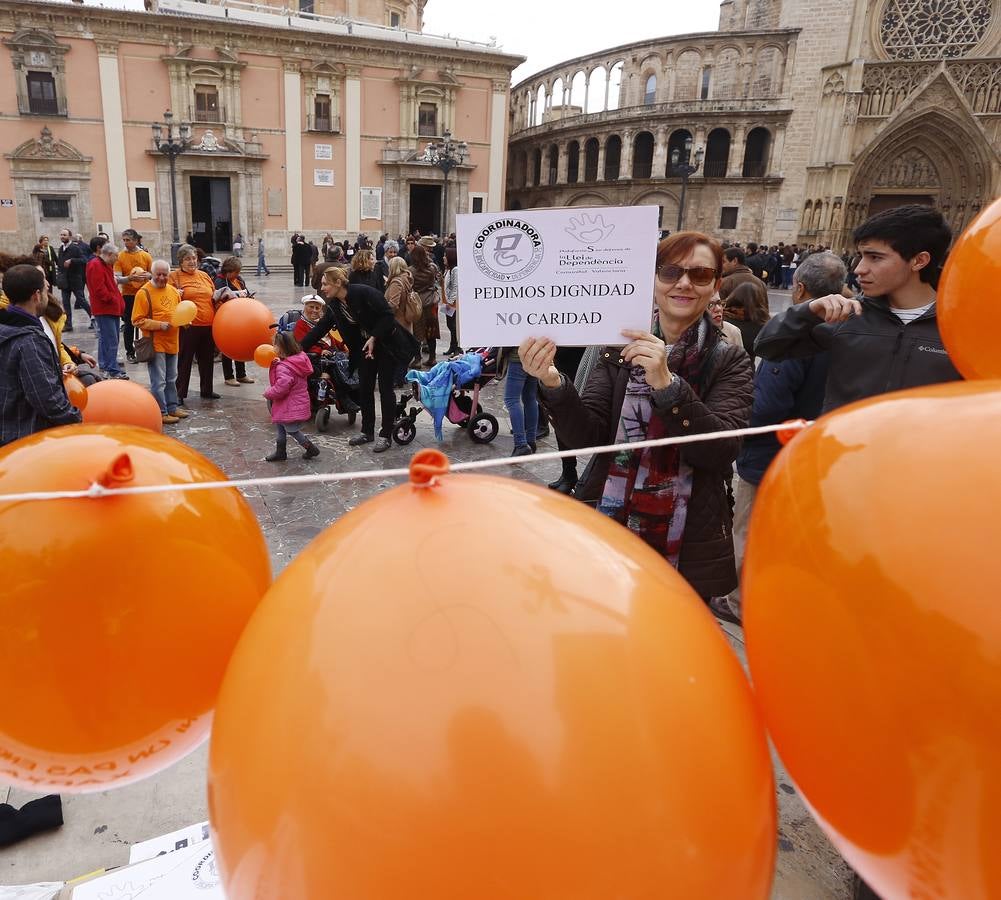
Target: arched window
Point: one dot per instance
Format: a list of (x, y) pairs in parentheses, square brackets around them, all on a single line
[(650, 91), (591, 160), (537, 167), (596, 84), (613, 156), (643, 155), (573, 162), (578, 88), (717, 153), (759, 142), (615, 86), (521, 169), (554, 162), (681, 140), (558, 91), (540, 105)]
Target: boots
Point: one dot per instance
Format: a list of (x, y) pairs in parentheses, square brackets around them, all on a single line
[(568, 479), (311, 449), (279, 455)]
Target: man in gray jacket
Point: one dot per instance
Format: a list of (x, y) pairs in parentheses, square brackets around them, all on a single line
[(32, 396), (888, 339)]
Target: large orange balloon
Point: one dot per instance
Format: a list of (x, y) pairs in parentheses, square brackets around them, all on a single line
[(75, 391), (559, 717), (240, 326), (115, 402), (117, 615), (968, 296), (871, 590)]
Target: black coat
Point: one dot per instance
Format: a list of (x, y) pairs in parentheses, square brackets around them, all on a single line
[(373, 317), (78, 264)]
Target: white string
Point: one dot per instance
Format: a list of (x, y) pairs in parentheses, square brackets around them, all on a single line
[(98, 491)]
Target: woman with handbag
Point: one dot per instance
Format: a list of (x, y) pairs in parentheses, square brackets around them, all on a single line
[(428, 286), (152, 313), (196, 342)]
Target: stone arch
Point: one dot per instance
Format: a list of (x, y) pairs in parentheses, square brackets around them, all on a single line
[(592, 149), (717, 153), (931, 154), (589, 198), (615, 86), (573, 162), (667, 201), (757, 149), (643, 147), (552, 163), (613, 157), (678, 141), (687, 71), (767, 78), (578, 90), (726, 83), (597, 87), (537, 167), (540, 105)]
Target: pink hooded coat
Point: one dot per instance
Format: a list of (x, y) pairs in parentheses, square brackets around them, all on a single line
[(288, 393)]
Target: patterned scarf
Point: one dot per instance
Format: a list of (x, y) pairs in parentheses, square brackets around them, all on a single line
[(648, 490)]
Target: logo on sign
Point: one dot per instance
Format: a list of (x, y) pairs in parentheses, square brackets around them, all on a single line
[(508, 249)]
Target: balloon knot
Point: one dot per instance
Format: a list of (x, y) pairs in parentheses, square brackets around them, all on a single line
[(119, 472), (427, 467), (787, 434)]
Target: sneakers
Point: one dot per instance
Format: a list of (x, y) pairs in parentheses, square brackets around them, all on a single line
[(170, 420), (131, 357), (360, 439), (246, 379), (179, 413), (720, 607), (118, 376), (523, 450), (382, 445), (232, 382)]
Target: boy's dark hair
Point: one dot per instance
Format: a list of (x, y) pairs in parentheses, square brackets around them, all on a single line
[(20, 282), (909, 230), (735, 253), (96, 243)]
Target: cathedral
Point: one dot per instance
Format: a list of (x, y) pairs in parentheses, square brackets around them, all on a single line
[(793, 121)]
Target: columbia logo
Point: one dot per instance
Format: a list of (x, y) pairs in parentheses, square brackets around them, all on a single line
[(933, 350)]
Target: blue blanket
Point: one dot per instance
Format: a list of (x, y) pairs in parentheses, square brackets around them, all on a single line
[(436, 384)]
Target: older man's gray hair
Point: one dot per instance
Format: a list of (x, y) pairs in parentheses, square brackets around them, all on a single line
[(108, 248), (159, 264), (392, 245), (821, 274)]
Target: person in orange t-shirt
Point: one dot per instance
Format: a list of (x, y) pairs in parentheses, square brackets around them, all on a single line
[(131, 258), (196, 339), (152, 312)]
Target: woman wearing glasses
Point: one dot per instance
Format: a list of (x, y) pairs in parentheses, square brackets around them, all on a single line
[(679, 378)]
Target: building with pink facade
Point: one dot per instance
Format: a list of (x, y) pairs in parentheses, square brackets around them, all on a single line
[(312, 120)]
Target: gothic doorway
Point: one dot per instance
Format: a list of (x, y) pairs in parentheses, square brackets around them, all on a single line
[(882, 202), (211, 214)]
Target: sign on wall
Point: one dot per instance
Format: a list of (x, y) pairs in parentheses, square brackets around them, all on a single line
[(323, 177), (323, 151), (371, 203), (578, 276), (6, 203)]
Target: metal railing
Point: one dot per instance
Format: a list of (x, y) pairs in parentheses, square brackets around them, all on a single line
[(207, 116), (326, 124)]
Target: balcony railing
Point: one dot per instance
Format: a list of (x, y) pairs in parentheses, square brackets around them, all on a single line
[(207, 116), (325, 124), (716, 168)]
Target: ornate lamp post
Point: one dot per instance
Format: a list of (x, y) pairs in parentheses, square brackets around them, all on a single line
[(684, 169), (172, 145), (445, 154)]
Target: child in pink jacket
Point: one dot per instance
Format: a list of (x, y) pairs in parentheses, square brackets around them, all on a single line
[(289, 396)]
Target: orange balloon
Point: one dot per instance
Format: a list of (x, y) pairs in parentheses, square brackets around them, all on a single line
[(265, 355), (560, 717), (968, 296), (75, 391), (871, 587), (184, 313), (115, 402), (112, 675), (240, 326)]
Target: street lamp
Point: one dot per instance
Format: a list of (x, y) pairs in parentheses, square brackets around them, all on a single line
[(172, 146), (446, 154), (682, 168)]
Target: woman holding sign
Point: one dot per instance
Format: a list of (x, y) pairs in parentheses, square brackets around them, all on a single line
[(679, 378)]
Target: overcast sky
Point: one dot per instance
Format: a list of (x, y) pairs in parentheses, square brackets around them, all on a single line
[(550, 31)]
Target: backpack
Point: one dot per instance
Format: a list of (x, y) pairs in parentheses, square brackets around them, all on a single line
[(414, 309)]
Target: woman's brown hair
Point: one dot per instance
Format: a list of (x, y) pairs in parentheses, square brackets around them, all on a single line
[(230, 264), (363, 261), (676, 247), (419, 257), (748, 301)]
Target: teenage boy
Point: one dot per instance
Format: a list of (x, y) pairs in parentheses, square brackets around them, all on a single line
[(888, 339)]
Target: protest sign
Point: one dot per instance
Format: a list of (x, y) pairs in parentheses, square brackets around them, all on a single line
[(578, 276)]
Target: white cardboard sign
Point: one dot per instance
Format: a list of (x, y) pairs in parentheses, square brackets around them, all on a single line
[(576, 275)]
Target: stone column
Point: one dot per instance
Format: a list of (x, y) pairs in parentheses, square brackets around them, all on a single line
[(776, 151), (352, 149), (498, 123), (660, 152), (561, 168), (736, 167), (293, 145), (114, 136), (626, 159), (601, 159)]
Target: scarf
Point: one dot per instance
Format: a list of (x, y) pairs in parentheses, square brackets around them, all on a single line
[(648, 490)]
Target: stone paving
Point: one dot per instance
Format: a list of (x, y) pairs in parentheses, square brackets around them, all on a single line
[(236, 433)]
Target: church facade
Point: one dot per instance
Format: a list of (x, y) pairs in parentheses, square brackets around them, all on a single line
[(802, 118)]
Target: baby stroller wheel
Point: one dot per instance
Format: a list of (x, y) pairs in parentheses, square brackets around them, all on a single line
[(482, 428), (404, 431), (352, 418), (322, 420)]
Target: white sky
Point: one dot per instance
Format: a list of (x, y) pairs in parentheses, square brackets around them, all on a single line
[(550, 31)]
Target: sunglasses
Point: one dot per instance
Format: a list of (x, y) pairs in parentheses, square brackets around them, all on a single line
[(699, 275)]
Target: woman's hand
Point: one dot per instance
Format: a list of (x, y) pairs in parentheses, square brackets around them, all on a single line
[(650, 352), (69, 369), (88, 359), (369, 348), (537, 356)]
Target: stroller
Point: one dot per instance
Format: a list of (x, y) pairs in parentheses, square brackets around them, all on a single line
[(463, 410), (332, 383)]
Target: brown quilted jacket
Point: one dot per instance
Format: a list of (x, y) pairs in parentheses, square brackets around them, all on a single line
[(706, 560)]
